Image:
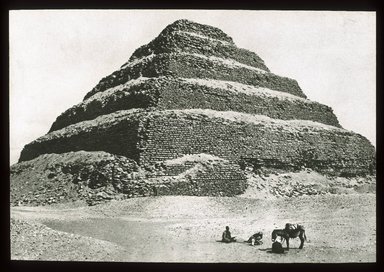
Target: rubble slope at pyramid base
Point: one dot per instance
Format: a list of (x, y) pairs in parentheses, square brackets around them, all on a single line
[(95, 177)]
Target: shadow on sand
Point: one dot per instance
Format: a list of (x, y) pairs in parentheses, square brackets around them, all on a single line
[(269, 250)]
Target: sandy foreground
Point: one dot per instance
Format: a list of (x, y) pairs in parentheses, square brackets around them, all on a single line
[(339, 228)]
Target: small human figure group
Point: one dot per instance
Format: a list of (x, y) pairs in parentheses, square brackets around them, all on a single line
[(290, 231), (255, 239)]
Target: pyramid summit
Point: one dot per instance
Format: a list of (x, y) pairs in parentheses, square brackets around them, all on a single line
[(212, 53), (187, 114), (188, 53)]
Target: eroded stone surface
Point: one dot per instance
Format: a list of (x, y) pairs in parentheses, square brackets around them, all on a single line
[(188, 93), (188, 114), (152, 136)]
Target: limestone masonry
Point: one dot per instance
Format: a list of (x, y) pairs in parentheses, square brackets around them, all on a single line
[(184, 116)]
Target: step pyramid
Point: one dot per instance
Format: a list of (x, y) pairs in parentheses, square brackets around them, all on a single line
[(192, 93)]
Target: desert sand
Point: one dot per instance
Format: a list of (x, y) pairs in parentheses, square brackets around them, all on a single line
[(339, 228)]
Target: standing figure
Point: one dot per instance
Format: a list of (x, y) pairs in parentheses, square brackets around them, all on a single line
[(290, 231)]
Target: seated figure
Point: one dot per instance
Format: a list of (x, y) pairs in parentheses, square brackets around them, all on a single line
[(256, 238), (226, 237)]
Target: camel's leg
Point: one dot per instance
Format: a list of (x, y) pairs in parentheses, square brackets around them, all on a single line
[(301, 236), (287, 239)]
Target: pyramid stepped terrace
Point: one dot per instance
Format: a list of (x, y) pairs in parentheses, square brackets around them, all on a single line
[(186, 115)]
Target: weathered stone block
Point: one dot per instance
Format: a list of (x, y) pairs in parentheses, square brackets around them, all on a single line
[(149, 137)]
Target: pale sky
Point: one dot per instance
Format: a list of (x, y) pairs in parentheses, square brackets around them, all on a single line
[(57, 56)]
